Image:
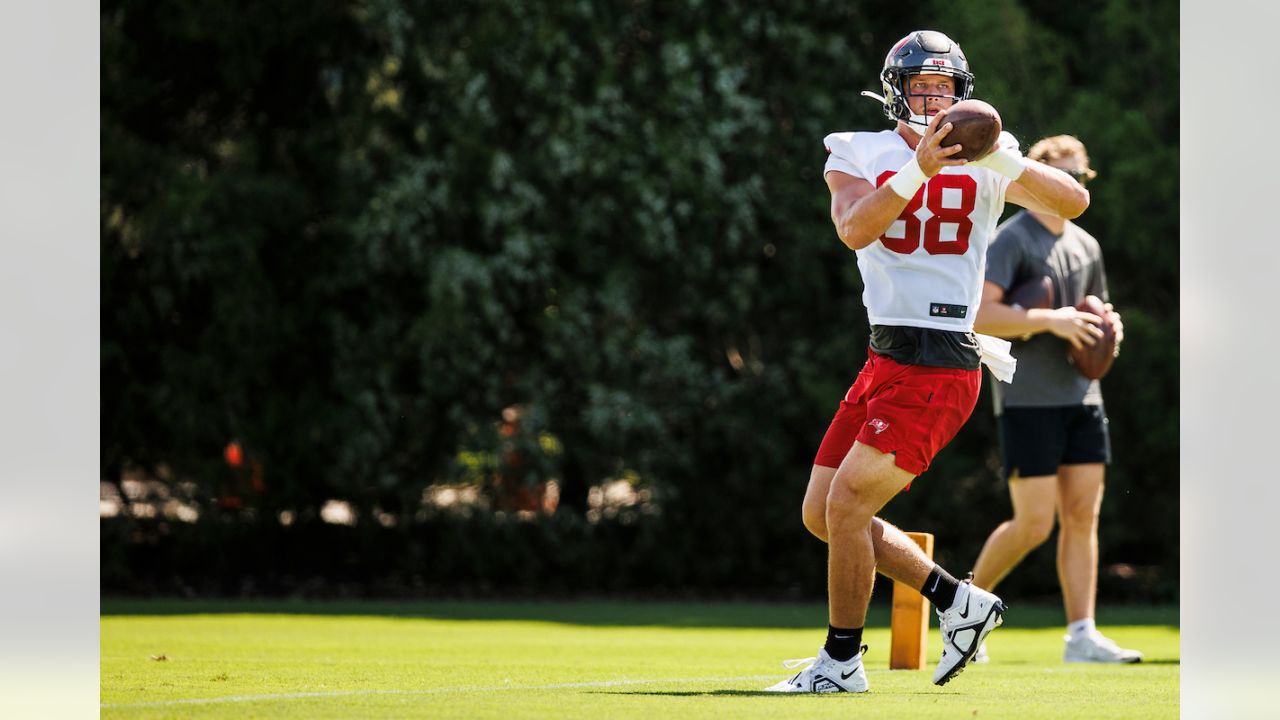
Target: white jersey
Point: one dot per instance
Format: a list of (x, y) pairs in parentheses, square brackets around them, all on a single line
[(927, 269)]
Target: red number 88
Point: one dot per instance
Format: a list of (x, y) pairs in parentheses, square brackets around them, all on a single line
[(933, 242)]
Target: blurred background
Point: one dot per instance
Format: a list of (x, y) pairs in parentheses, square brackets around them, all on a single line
[(541, 299)]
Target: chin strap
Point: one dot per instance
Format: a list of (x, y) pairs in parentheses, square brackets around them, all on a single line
[(912, 121)]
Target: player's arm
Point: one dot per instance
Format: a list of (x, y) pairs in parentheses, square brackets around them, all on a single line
[(996, 318), (1036, 186), (862, 212), (1049, 190)]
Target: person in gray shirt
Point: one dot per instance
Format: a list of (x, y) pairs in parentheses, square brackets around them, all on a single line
[(1051, 420)]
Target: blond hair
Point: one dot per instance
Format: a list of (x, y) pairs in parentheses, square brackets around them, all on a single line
[(1059, 147)]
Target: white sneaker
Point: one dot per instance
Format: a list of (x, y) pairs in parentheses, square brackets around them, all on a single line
[(825, 675), (981, 657), (965, 625), (1094, 647)]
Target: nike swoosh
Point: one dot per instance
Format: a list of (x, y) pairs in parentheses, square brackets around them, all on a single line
[(844, 676), (965, 613)]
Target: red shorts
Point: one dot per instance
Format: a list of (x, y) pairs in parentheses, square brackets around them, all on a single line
[(912, 411)]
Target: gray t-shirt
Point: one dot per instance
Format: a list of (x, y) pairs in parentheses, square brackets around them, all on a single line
[(1024, 249)]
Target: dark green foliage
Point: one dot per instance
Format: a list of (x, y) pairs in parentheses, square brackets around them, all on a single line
[(349, 235)]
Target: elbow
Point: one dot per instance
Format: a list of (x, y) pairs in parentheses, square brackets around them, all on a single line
[(1079, 203), (854, 242), (850, 236)]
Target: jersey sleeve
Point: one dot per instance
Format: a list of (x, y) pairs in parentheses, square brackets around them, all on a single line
[(1004, 255), (842, 156)]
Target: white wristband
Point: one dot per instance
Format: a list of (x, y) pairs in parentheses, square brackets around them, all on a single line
[(1006, 161), (908, 180)]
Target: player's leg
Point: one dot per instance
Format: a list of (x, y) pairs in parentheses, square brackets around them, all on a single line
[(890, 548), (1081, 486), (1034, 500), (1032, 441), (814, 509), (897, 556), (838, 666), (864, 483), (913, 419), (841, 433), (916, 412), (1081, 500)]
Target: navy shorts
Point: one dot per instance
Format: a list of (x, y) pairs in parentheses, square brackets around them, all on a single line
[(1034, 441)]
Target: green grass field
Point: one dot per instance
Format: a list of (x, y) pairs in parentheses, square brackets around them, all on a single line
[(588, 659)]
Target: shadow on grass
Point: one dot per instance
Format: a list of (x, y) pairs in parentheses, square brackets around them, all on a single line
[(734, 693), (692, 693), (608, 613)]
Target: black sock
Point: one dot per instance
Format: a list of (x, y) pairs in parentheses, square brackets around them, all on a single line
[(940, 588), (843, 643)]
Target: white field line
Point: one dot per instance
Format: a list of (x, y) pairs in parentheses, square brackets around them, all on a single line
[(425, 691)]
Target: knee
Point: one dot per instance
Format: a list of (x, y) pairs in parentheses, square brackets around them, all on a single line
[(814, 514), (847, 504), (1033, 529), (1080, 516)]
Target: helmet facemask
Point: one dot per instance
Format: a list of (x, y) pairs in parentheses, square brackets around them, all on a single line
[(897, 89)]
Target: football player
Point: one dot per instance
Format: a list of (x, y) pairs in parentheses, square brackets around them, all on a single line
[(919, 221), (1052, 423)]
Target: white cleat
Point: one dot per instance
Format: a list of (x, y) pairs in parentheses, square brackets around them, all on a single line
[(825, 675), (981, 657), (965, 625), (1094, 647)]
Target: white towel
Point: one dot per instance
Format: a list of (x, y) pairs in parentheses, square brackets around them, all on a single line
[(995, 355)]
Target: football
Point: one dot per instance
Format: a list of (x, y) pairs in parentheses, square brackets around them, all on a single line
[(1094, 361), (975, 125), (1032, 294)]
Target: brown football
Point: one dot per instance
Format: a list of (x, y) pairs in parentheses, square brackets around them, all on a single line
[(1094, 361), (975, 125), (1032, 294)]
